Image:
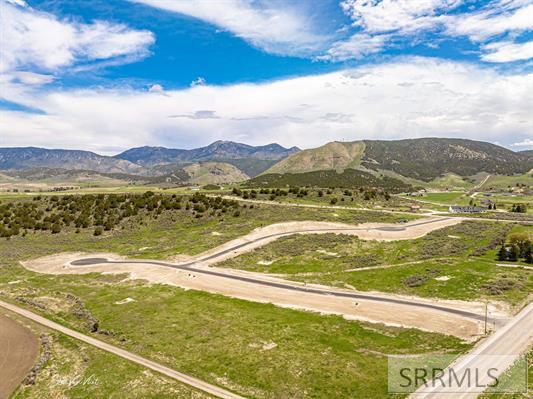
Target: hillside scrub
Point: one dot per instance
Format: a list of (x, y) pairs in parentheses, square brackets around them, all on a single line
[(101, 211)]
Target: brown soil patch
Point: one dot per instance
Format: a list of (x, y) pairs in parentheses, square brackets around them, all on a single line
[(19, 349)]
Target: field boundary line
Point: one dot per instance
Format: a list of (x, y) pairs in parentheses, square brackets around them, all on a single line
[(176, 375)]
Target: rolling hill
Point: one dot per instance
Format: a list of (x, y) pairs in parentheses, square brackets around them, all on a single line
[(421, 159), (348, 178), (332, 156), (213, 173)]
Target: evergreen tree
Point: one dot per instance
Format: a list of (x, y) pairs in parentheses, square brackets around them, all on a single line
[(502, 253), (513, 253), (529, 256)]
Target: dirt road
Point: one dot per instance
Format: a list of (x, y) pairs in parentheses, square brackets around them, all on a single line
[(462, 319), (19, 349), (427, 212), (194, 382), (458, 318), (365, 231)]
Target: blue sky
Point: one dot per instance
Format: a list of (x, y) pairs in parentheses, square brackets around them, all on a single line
[(108, 75)]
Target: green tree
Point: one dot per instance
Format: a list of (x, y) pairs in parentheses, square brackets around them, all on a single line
[(502, 253), (513, 253)]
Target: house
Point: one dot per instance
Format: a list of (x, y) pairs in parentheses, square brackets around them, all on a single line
[(466, 209)]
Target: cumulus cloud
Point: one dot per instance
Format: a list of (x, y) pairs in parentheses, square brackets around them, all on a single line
[(498, 17), (41, 41), (407, 98), (281, 28), (507, 51), (357, 46), (378, 16), (405, 19), (524, 143)]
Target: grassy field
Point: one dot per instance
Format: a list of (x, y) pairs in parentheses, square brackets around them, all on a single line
[(504, 182), (177, 232), (448, 198), (341, 198), (257, 350), (457, 262), (76, 370)]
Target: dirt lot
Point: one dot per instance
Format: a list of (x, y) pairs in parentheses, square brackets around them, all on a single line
[(19, 348), (368, 310), (365, 231)]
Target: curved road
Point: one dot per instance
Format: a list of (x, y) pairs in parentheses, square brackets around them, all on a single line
[(291, 287), (190, 266)]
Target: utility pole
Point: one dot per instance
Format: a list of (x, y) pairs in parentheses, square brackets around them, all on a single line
[(486, 313)]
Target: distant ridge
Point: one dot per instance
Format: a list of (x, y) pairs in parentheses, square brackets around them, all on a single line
[(219, 150), (423, 159), (233, 160), (414, 161), (20, 158)]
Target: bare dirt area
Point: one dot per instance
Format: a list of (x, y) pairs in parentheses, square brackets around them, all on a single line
[(373, 310), (365, 231), (199, 273), (19, 349)]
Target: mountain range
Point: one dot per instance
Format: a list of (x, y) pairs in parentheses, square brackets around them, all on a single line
[(219, 150), (412, 161)]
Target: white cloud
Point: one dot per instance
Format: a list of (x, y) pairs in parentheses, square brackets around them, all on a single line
[(507, 51), (157, 88), (199, 81), (271, 26), (357, 46), (406, 98), (501, 16), (31, 39), (378, 16), (31, 78), (524, 143), (406, 18), (20, 3)]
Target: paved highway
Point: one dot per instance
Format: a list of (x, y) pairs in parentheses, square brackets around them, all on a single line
[(496, 352)]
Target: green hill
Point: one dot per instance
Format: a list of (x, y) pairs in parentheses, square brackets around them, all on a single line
[(348, 178), (423, 159), (335, 156)]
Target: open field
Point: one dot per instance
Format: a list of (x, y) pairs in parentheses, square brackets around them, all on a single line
[(256, 349), (504, 182), (75, 369), (448, 198), (20, 348), (455, 262)]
